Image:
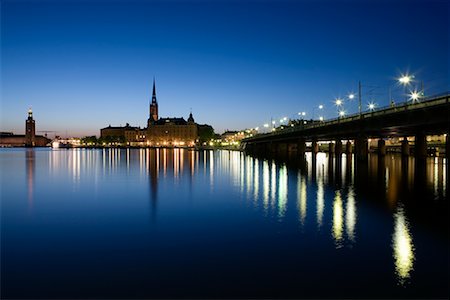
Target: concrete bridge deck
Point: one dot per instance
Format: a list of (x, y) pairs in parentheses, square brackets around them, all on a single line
[(428, 117)]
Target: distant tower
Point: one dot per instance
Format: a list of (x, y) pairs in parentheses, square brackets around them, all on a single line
[(30, 130), (153, 107), (191, 119)]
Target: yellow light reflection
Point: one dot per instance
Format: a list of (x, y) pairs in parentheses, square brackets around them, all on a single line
[(266, 184), (273, 184), (301, 198), (256, 181), (403, 246), (338, 219), (282, 191), (350, 215), (320, 201)]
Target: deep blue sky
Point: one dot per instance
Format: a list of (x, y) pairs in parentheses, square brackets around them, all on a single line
[(83, 65)]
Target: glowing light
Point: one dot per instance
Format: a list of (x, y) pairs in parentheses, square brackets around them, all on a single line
[(338, 102), (320, 106), (371, 106), (302, 113), (281, 120), (414, 96), (266, 125), (403, 247), (351, 96), (321, 119), (341, 113), (405, 79), (273, 122)]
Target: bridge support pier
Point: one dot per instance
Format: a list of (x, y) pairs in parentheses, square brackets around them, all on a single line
[(338, 147), (447, 145), (314, 147), (420, 145), (361, 148), (331, 148), (348, 148), (405, 147), (301, 147), (381, 147)]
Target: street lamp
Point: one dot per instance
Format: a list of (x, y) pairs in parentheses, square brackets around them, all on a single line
[(414, 96), (338, 102), (405, 80), (341, 113), (351, 96), (371, 106)]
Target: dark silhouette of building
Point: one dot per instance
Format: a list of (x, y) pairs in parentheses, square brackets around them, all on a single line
[(170, 132), (30, 130), (30, 139)]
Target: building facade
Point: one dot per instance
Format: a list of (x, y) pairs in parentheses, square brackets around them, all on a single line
[(160, 132), (29, 139)]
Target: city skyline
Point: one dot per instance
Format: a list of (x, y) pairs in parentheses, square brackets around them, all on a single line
[(82, 66)]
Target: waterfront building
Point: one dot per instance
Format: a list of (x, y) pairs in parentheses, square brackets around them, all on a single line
[(117, 133), (160, 131), (29, 139)]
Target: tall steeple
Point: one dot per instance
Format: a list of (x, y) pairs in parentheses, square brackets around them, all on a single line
[(153, 106), (154, 91)]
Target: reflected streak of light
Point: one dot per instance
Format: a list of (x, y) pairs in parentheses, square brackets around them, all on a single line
[(282, 191), (181, 155), (192, 163), (338, 220), (164, 157), (436, 176), (128, 159), (176, 166), (273, 184), (403, 246), (301, 197), (235, 167), (444, 177), (350, 215), (249, 175), (320, 202), (321, 162), (211, 168), (157, 163), (256, 181), (266, 184), (141, 161), (242, 173)]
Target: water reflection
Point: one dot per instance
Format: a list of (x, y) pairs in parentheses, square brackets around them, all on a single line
[(320, 201), (30, 171), (338, 220), (402, 244), (327, 191), (350, 215), (301, 196)]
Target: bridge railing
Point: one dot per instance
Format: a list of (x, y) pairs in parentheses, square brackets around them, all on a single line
[(425, 102)]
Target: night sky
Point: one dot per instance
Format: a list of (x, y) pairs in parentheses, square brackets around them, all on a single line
[(83, 65)]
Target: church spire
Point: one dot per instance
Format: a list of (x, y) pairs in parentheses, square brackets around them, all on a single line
[(153, 106), (154, 91)]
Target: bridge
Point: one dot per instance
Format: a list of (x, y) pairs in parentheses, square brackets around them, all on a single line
[(431, 116)]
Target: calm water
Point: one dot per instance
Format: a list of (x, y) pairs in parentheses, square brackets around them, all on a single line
[(177, 223)]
